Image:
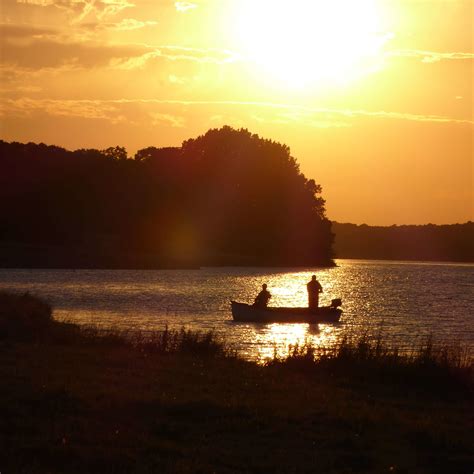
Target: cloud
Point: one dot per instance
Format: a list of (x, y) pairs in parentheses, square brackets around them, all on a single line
[(116, 110), (45, 53), (31, 48), (41, 3), (431, 56), (81, 9), (19, 88), (174, 79), (309, 118), (87, 109), (23, 31), (326, 113), (126, 24), (107, 8), (17, 78), (306, 119), (184, 7), (133, 113), (401, 116), (167, 119), (177, 53), (130, 24)]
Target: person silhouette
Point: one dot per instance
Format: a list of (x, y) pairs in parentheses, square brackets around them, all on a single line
[(314, 288), (261, 301)]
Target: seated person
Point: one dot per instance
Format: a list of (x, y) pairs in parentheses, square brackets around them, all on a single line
[(261, 301)]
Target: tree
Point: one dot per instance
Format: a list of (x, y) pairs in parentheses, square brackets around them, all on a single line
[(250, 198), (115, 153), (227, 196)]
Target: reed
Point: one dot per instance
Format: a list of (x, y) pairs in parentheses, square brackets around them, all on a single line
[(365, 350), (426, 366), (183, 341), (24, 317)]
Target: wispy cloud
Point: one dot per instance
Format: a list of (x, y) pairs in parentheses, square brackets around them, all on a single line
[(177, 53), (40, 49), (82, 9), (400, 116), (86, 109), (318, 119), (131, 24), (10, 31), (14, 87), (32, 48), (41, 3), (431, 56), (184, 7), (167, 119), (179, 80), (325, 112), (276, 112), (126, 24)]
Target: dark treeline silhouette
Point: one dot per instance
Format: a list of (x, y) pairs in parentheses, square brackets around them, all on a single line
[(227, 197), (406, 242)]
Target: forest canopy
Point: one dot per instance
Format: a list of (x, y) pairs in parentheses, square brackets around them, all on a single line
[(226, 197)]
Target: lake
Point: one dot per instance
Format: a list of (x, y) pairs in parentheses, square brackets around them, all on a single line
[(405, 301)]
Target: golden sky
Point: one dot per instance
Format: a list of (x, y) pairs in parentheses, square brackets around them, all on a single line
[(374, 97)]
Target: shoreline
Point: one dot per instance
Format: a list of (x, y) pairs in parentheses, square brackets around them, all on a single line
[(223, 266), (22, 256)]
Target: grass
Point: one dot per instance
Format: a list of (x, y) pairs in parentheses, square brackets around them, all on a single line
[(374, 353), (362, 362), (76, 401)]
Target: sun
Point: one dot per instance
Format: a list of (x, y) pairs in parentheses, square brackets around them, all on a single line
[(303, 42)]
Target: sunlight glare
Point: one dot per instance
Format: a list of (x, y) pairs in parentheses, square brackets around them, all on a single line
[(288, 289), (303, 42)]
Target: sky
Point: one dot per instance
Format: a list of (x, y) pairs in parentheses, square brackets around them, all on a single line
[(374, 97)]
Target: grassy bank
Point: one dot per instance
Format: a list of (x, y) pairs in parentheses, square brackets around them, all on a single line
[(180, 402)]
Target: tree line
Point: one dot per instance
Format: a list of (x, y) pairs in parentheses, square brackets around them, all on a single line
[(226, 197), (406, 242)]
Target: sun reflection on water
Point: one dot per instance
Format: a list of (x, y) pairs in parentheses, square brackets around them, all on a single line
[(289, 290), (279, 339), (405, 302), (276, 338)]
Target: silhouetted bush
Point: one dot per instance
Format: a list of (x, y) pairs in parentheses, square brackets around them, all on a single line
[(23, 317)]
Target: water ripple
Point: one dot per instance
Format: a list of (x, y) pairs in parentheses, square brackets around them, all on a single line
[(405, 301)]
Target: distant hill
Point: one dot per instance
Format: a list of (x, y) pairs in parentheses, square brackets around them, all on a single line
[(405, 242)]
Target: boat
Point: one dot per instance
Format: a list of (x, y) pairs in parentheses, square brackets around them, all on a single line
[(246, 313)]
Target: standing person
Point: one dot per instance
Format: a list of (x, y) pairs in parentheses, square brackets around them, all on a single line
[(314, 288), (261, 301)]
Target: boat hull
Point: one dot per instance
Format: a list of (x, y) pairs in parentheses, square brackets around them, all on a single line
[(242, 312)]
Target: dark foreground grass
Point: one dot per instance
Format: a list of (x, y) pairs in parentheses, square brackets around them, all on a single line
[(442, 369), (76, 401)]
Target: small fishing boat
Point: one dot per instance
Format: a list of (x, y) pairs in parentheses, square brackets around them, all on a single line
[(251, 314)]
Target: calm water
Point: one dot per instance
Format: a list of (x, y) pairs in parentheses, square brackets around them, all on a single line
[(406, 301)]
